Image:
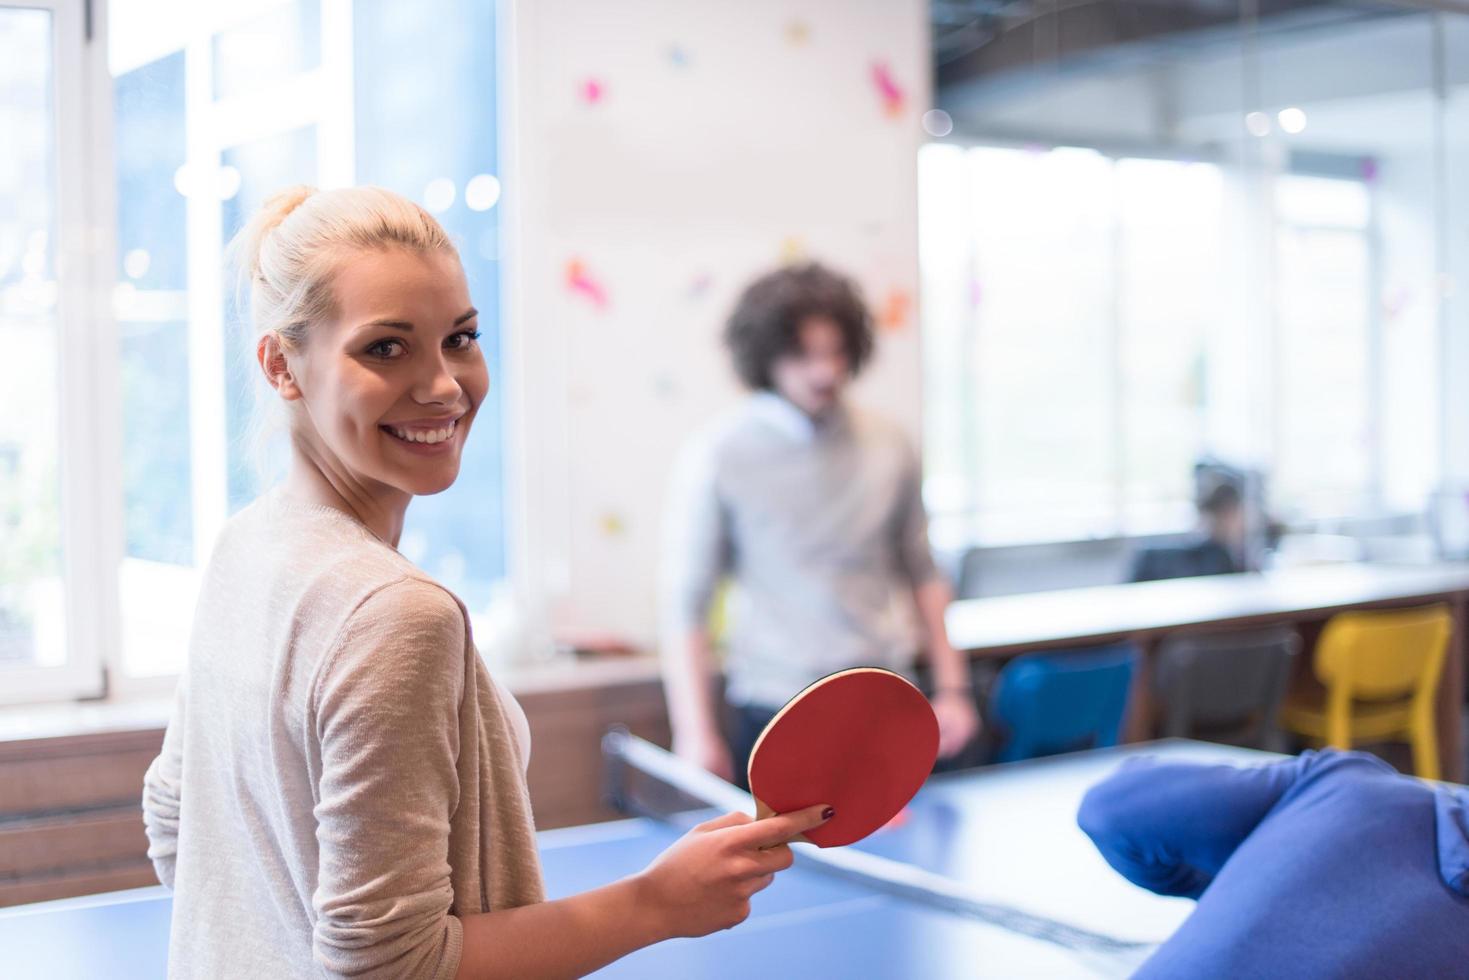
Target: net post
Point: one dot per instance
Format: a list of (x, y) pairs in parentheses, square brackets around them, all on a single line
[(614, 768)]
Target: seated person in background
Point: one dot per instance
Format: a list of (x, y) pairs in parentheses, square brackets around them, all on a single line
[(1327, 865), (814, 510), (1216, 549)]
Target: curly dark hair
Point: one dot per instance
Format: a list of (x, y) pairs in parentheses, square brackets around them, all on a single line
[(766, 321)]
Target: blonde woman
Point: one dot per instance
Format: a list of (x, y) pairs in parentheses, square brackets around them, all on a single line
[(341, 789)]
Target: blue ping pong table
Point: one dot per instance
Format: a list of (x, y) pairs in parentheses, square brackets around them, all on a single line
[(1009, 832)]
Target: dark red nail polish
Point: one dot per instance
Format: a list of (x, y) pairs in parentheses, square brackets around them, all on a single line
[(828, 813)]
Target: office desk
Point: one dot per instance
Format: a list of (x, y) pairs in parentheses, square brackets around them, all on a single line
[(1146, 612)]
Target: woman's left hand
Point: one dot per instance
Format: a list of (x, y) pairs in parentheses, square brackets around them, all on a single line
[(958, 721)]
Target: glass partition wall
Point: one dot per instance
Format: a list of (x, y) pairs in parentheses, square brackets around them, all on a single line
[(1159, 234)]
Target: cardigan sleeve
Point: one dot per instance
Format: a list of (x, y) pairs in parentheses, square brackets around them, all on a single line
[(385, 704), (163, 793)]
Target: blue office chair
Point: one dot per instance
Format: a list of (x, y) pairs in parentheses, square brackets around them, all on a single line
[(1047, 703)]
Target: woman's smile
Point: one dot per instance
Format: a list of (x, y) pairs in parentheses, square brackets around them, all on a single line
[(425, 436)]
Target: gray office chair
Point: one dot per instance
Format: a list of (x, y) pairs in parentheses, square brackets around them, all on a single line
[(1225, 686)]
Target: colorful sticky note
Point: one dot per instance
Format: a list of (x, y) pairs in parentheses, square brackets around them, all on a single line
[(892, 94), (580, 282), (592, 90), (678, 56), (896, 308), (792, 250), (612, 524)]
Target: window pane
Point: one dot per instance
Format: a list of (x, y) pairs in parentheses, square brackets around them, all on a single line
[(152, 310), (441, 53), (1169, 257), (264, 50), (32, 604), (1322, 201), (1042, 343), (264, 166), (1325, 451), (947, 308), (193, 166)]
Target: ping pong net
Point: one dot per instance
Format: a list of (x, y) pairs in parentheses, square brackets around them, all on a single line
[(644, 780)]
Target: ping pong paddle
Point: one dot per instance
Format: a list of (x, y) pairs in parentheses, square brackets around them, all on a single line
[(861, 740)]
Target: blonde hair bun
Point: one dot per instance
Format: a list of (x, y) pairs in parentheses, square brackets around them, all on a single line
[(290, 250), (277, 207)]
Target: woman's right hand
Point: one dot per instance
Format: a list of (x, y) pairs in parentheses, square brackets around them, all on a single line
[(703, 883)]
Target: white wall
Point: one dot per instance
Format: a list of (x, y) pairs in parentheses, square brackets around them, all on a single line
[(727, 135)]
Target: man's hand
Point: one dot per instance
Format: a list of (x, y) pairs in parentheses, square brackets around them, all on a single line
[(958, 721)]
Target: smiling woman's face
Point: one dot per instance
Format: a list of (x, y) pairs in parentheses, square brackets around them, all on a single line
[(391, 386)]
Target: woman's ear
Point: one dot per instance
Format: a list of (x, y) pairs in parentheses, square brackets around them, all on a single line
[(272, 357)]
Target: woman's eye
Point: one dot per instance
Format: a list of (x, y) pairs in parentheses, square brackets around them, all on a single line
[(463, 340), (385, 348)]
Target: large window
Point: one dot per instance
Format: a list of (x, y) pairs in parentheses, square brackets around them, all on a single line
[(1064, 392), (324, 92), (213, 106), (1072, 303), (32, 600), (1238, 237), (49, 636), (1327, 458)]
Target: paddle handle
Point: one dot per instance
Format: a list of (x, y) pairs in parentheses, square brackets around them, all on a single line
[(762, 811)]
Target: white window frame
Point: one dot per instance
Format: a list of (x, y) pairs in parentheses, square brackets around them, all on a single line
[(87, 452)]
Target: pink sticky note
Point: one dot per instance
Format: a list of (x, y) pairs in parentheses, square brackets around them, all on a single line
[(581, 283), (888, 89)]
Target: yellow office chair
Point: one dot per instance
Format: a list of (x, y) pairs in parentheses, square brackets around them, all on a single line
[(1380, 671)]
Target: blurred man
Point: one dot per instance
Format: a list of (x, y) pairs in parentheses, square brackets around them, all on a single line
[(814, 510)]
